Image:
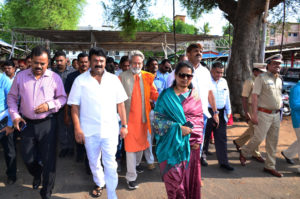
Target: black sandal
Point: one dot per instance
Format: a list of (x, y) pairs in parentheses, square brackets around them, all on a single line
[(97, 191)]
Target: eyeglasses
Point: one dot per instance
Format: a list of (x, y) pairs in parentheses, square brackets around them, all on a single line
[(184, 75)]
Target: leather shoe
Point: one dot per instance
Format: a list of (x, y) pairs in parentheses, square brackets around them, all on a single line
[(242, 159), (258, 159), (273, 172), (288, 160), (36, 183), (236, 145), (204, 162), (63, 153), (227, 167), (11, 180)]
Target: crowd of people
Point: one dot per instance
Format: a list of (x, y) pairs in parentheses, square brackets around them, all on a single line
[(110, 109)]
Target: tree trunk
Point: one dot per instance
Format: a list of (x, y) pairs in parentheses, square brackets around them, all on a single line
[(245, 49)]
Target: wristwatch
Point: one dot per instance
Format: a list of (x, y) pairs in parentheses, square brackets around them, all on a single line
[(124, 126), (216, 112)]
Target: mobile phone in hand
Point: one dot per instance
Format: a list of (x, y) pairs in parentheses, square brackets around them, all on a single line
[(22, 126), (189, 124)]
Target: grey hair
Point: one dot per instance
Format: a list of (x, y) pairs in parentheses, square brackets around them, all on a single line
[(135, 53)]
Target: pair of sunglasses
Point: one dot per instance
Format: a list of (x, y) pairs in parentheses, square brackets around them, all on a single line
[(184, 75)]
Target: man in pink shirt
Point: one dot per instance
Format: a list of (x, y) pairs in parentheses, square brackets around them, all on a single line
[(41, 94)]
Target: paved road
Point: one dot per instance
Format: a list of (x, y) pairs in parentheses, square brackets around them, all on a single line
[(243, 183)]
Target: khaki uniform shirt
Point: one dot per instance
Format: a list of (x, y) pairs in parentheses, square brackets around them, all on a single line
[(247, 88), (268, 88)]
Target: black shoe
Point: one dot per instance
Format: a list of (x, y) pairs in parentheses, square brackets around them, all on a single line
[(79, 158), (204, 162), (11, 180), (70, 153), (132, 185), (288, 160), (36, 183), (119, 169), (63, 153), (139, 169), (227, 167)]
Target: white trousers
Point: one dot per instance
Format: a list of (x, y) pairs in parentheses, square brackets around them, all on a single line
[(294, 148), (148, 152), (95, 147), (133, 159)]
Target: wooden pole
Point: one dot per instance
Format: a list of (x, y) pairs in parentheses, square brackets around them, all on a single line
[(174, 32)]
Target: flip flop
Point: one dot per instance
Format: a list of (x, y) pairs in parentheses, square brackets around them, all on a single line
[(97, 191)]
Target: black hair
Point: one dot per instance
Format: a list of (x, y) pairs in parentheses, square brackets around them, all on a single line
[(60, 53), (181, 65), (80, 55), (124, 59), (74, 60), (110, 60), (165, 61), (27, 57), (98, 52), (192, 46), (38, 51), (110, 67), (151, 59), (217, 65), (8, 63), (256, 69)]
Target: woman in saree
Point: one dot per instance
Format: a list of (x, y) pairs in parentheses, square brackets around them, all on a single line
[(178, 127)]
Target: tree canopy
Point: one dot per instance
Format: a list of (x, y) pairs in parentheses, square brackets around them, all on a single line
[(42, 14), (164, 24)]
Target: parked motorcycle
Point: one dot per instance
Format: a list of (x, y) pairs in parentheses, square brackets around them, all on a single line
[(286, 110)]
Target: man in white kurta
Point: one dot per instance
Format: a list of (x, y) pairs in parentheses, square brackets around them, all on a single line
[(97, 99)]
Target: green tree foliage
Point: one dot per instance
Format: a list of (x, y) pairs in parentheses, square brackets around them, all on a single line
[(164, 24), (43, 14), (205, 29), (132, 16)]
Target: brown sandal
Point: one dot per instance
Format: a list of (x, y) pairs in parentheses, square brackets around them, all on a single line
[(97, 191)]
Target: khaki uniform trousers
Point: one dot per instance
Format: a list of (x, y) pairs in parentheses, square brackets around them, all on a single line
[(267, 128), (243, 139)]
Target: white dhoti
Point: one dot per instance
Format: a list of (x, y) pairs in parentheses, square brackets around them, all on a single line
[(107, 147)]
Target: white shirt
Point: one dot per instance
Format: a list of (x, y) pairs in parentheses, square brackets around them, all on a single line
[(221, 93), (98, 103), (201, 82)]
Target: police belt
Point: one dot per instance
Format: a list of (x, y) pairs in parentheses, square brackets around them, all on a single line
[(267, 110)]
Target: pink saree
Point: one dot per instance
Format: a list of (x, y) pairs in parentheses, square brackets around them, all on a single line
[(182, 181), (192, 107)]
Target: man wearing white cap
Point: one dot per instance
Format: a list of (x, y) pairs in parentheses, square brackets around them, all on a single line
[(258, 68), (266, 104)]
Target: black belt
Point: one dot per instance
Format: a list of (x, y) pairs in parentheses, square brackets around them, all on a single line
[(38, 120)]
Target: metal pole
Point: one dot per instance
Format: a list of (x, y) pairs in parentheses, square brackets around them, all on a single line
[(264, 33), (174, 31), (283, 24)]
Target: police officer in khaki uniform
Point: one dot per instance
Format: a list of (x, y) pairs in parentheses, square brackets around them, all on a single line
[(258, 68), (266, 102)]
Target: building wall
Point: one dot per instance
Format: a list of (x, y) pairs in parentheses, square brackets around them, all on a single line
[(291, 34)]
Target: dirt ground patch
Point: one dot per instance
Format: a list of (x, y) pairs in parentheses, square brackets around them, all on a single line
[(243, 183)]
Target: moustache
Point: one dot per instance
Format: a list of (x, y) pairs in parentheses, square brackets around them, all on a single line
[(198, 55), (98, 66), (38, 69)]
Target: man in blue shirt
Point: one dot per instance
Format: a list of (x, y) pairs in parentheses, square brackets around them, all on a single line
[(163, 69), (160, 80), (6, 132), (221, 92), (295, 107)]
